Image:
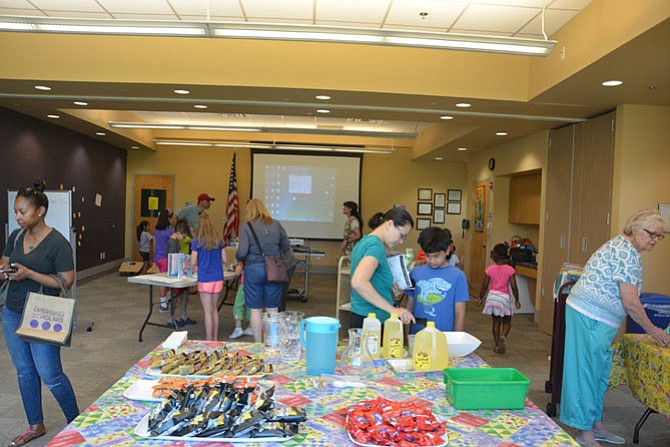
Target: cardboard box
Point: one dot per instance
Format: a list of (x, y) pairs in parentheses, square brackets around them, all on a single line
[(130, 268)]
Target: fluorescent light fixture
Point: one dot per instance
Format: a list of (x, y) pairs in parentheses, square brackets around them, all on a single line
[(180, 91), (612, 83), (200, 106), (43, 87), (101, 134), (80, 103), (53, 116), (464, 105), (323, 111), (304, 33), (322, 97), (462, 149), (446, 117), (439, 158), (162, 126), (276, 146), (501, 134), (135, 147)]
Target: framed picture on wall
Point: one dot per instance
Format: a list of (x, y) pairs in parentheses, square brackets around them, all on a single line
[(454, 195), (425, 194), (438, 217), (424, 209), (440, 199), (422, 223), (454, 208)]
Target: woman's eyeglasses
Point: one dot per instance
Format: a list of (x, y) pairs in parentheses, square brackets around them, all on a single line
[(654, 235), (403, 236)]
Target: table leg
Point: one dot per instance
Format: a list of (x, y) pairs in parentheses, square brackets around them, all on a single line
[(638, 426), (171, 306), (151, 307), (307, 259), (231, 284)]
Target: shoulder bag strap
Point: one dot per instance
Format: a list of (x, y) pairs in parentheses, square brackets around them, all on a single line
[(253, 233)]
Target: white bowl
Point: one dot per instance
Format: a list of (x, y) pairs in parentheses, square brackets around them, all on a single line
[(461, 343)]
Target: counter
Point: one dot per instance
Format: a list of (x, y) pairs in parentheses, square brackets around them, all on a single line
[(526, 281)]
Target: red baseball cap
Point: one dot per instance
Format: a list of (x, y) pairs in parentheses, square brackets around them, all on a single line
[(205, 196)]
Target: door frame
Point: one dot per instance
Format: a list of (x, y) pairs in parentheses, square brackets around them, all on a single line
[(135, 218)]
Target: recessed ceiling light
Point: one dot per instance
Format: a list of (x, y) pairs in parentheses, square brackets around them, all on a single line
[(439, 158), (134, 147), (80, 103), (462, 149), (53, 116), (42, 87), (446, 117), (200, 106), (463, 104), (612, 83), (323, 111), (322, 97), (182, 92), (101, 134), (501, 134)]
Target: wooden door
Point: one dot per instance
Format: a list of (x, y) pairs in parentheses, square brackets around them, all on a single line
[(152, 193), (479, 229), (555, 244)]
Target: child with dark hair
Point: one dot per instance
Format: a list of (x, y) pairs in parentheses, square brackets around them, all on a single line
[(144, 239), (498, 278), (181, 231), (441, 290)]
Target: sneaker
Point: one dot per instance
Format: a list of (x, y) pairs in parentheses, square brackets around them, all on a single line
[(185, 321), (237, 333), (249, 331), (605, 436), (163, 307), (170, 325)]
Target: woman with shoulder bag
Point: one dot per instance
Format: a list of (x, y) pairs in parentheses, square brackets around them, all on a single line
[(39, 252), (259, 293)]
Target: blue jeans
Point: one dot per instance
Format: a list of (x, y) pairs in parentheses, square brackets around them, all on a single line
[(35, 361), (258, 292)]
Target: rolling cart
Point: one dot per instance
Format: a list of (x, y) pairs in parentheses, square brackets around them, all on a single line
[(554, 384)]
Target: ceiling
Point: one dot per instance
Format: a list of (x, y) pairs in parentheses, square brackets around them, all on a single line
[(289, 113)]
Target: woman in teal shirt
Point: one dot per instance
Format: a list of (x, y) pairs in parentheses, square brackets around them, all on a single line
[(371, 277)]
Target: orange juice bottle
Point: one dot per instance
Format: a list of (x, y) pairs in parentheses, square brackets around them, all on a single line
[(431, 352), (393, 336)]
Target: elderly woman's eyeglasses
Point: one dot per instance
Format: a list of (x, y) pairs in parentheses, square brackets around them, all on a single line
[(654, 235)]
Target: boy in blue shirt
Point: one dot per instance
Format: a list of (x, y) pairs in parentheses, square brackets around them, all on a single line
[(441, 290)]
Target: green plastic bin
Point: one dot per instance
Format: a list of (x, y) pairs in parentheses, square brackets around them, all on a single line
[(486, 388)]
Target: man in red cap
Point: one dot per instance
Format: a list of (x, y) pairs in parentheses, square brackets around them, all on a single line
[(190, 213)]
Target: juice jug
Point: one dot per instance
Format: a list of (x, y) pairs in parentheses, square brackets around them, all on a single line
[(431, 352), (372, 332), (393, 336)]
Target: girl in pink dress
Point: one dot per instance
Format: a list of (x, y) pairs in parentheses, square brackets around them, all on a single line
[(498, 278)]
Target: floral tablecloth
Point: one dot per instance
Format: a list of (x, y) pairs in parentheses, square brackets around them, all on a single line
[(111, 419), (643, 365)]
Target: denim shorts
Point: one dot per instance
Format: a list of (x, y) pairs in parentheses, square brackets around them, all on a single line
[(258, 292)]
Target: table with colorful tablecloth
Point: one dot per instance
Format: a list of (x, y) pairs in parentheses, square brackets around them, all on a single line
[(111, 419), (642, 364)]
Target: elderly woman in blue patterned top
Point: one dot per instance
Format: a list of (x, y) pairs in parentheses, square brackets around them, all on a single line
[(608, 289)]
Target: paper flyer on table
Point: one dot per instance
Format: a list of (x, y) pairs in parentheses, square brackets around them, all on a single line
[(399, 270)]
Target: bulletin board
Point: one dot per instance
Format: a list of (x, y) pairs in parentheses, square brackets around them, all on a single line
[(59, 215)]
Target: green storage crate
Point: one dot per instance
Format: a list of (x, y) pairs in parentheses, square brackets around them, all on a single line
[(486, 388)]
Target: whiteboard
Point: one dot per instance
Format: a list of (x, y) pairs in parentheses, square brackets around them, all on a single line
[(59, 214)]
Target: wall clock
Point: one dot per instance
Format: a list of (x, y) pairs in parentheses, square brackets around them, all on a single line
[(492, 163)]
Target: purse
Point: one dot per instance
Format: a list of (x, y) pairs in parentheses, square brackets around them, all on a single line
[(275, 269), (48, 319)]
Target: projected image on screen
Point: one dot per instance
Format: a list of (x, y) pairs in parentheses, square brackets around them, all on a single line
[(299, 193), (306, 192)]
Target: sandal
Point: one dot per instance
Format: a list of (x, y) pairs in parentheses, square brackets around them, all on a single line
[(29, 435), (501, 348)]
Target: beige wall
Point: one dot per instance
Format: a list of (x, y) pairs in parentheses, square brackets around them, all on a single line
[(387, 180), (641, 180)]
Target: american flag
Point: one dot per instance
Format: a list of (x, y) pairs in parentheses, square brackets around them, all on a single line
[(232, 227)]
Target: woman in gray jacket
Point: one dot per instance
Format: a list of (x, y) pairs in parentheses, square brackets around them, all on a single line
[(260, 294)]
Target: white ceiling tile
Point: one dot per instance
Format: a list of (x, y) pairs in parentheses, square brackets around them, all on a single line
[(553, 21), (21, 12), (161, 17), (77, 15), (18, 4), (273, 9), (484, 18), (362, 11), (69, 5), (199, 8), (440, 14), (526, 3), (137, 6), (570, 4)]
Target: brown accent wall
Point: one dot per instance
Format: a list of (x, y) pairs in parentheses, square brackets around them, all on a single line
[(32, 148)]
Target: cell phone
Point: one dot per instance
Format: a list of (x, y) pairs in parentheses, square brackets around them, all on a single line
[(9, 269)]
